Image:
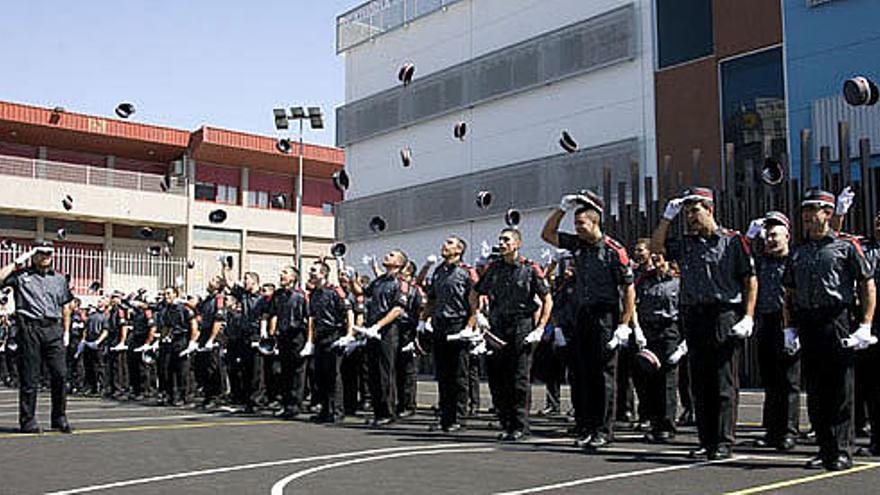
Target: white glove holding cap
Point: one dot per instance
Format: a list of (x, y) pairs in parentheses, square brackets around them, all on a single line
[(482, 321), (568, 202), (860, 339), (844, 201), (409, 348), (307, 350), (371, 332), (23, 257), (421, 327), (641, 340), (559, 337), (673, 208), (620, 337)]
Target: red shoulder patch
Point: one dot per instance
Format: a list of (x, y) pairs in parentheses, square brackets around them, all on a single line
[(855, 242), (618, 248)]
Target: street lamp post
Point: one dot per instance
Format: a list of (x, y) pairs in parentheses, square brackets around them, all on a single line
[(316, 121)]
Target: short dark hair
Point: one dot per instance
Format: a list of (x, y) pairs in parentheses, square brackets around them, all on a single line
[(325, 268), (461, 241), (588, 209), (253, 275), (514, 232)]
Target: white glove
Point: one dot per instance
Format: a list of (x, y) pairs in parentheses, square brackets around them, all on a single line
[(534, 335), (119, 347), (743, 328), (367, 260), (673, 208), (354, 344), (467, 333), (485, 250), (79, 348), (307, 349), (559, 337), (23, 257), (421, 327), (620, 337), (546, 256), (142, 348), (844, 201), (65, 338), (431, 259), (756, 228), (480, 348), (191, 347), (342, 341), (12, 346), (482, 321), (641, 341), (409, 348), (679, 353), (791, 341), (371, 332), (568, 202), (860, 339), (92, 345)]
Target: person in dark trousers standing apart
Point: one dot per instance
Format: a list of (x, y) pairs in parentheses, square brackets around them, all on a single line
[(513, 286), (242, 354), (820, 283), (449, 310), (780, 369), (288, 314), (385, 303), (606, 301), (330, 318), (43, 310), (717, 307)]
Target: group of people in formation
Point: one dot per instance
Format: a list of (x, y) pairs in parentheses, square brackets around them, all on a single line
[(672, 316)]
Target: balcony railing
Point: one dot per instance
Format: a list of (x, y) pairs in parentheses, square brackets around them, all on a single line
[(85, 174), (376, 17)]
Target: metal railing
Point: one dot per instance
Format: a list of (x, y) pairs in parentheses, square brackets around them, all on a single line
[(85, 174), (126, 271), (376, 17)]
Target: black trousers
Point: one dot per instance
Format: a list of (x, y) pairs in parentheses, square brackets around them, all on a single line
[(241, 366), (40, 341), (9, 367), (595, 369), (136, 371), (872, 391), (451, 370), (90, 359), (207, 369), (74, 377), (473, 378), (175, 369), (685, 392), (658, 388), (114, 379), (625, 405), (548, 365), (407, 383), (508, 370), (781, 376), (328, 379), (353, 383), (291, 382), (829, 373), (713, 356), (381, 356)]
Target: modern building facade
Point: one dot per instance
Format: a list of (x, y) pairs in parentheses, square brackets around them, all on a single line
[(517, 73), (114, 170)]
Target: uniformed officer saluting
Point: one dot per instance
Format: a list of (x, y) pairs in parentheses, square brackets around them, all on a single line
[(605, 285), (820, 281), (513, 285), (42, 306), (718, 292)]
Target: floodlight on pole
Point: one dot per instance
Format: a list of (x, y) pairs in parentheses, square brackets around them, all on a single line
[(280, 118)]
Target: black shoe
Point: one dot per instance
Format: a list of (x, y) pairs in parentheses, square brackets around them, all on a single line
[(841, 463), (406, 413), (863, 432), (719, 453), (659, 436), (814, 463), (453, 428), (687, 418), (380, 422), (515, 436), (548, 411), (31, 428), (698, 452), (787, 444), (596, 442), (503, 436), (287, 413), (583, 442), (62, 425)]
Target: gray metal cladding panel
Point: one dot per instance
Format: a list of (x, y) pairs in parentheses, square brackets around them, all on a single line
[(525, 185), (591, 44)]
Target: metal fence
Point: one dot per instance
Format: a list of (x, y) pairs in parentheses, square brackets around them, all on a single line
[(85, 174), (112, 270), (376, 17)]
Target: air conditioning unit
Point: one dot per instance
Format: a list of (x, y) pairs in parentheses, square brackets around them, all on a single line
[(177, 168)]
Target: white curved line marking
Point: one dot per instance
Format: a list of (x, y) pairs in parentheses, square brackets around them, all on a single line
[(243, 467), (278, 487)]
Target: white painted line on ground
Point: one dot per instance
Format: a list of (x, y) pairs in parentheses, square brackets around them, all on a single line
[(71, 412), (616, 476), (244, 467), (278, 487)]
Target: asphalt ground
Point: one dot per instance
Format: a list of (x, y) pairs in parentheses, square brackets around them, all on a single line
[(126, 447)]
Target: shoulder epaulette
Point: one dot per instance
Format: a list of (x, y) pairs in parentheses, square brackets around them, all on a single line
[(619, 249)]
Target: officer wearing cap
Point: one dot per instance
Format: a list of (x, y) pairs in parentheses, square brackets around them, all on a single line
[(657, 298), (606, 300), (287, 314), (242, 354), (330, 317), (513, 286), (43, 311), (717, 306), (820, 282), (780, 369), (449, 309)]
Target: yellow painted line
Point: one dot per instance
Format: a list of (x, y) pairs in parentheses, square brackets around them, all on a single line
[(124, 429), (806, 479)]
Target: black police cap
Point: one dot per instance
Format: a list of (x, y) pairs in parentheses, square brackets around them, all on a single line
[(568, 143), (217, 216), (377, 224), (341, 180), (124, 110)]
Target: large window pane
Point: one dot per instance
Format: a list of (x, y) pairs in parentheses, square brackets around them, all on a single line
[(684, 30), (206, 191), (753, 108)]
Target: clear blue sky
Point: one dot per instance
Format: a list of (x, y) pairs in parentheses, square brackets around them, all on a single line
[(183, 63)]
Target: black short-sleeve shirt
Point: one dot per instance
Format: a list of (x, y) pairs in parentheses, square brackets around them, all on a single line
[(382, 295), (824, 272), (657, 297), (39, 295), (602, 268), (176, 318), (328, 307), (450, 287), (770, 290), (512, 288), (291, 306)]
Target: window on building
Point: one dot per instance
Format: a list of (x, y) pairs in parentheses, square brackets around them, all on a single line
[(206, 191), (258, 199), (51, 225), (753, 108), (12, 222), (227, 194), (684, 30)]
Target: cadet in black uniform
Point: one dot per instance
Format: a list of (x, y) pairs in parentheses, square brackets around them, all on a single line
[(180, 333), (606, 301), (871, 358), (718, 293), (212, 312), (115, 367), (244, 368), (97, 329), (657, 290), (143, 331), (77, 330), (407, 353), (385, 300), (353, 386), (330, 317), (42, 298), (449, 310), (820, 283), (8, 367), (513, 286), (288, 314), (780, 369)]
